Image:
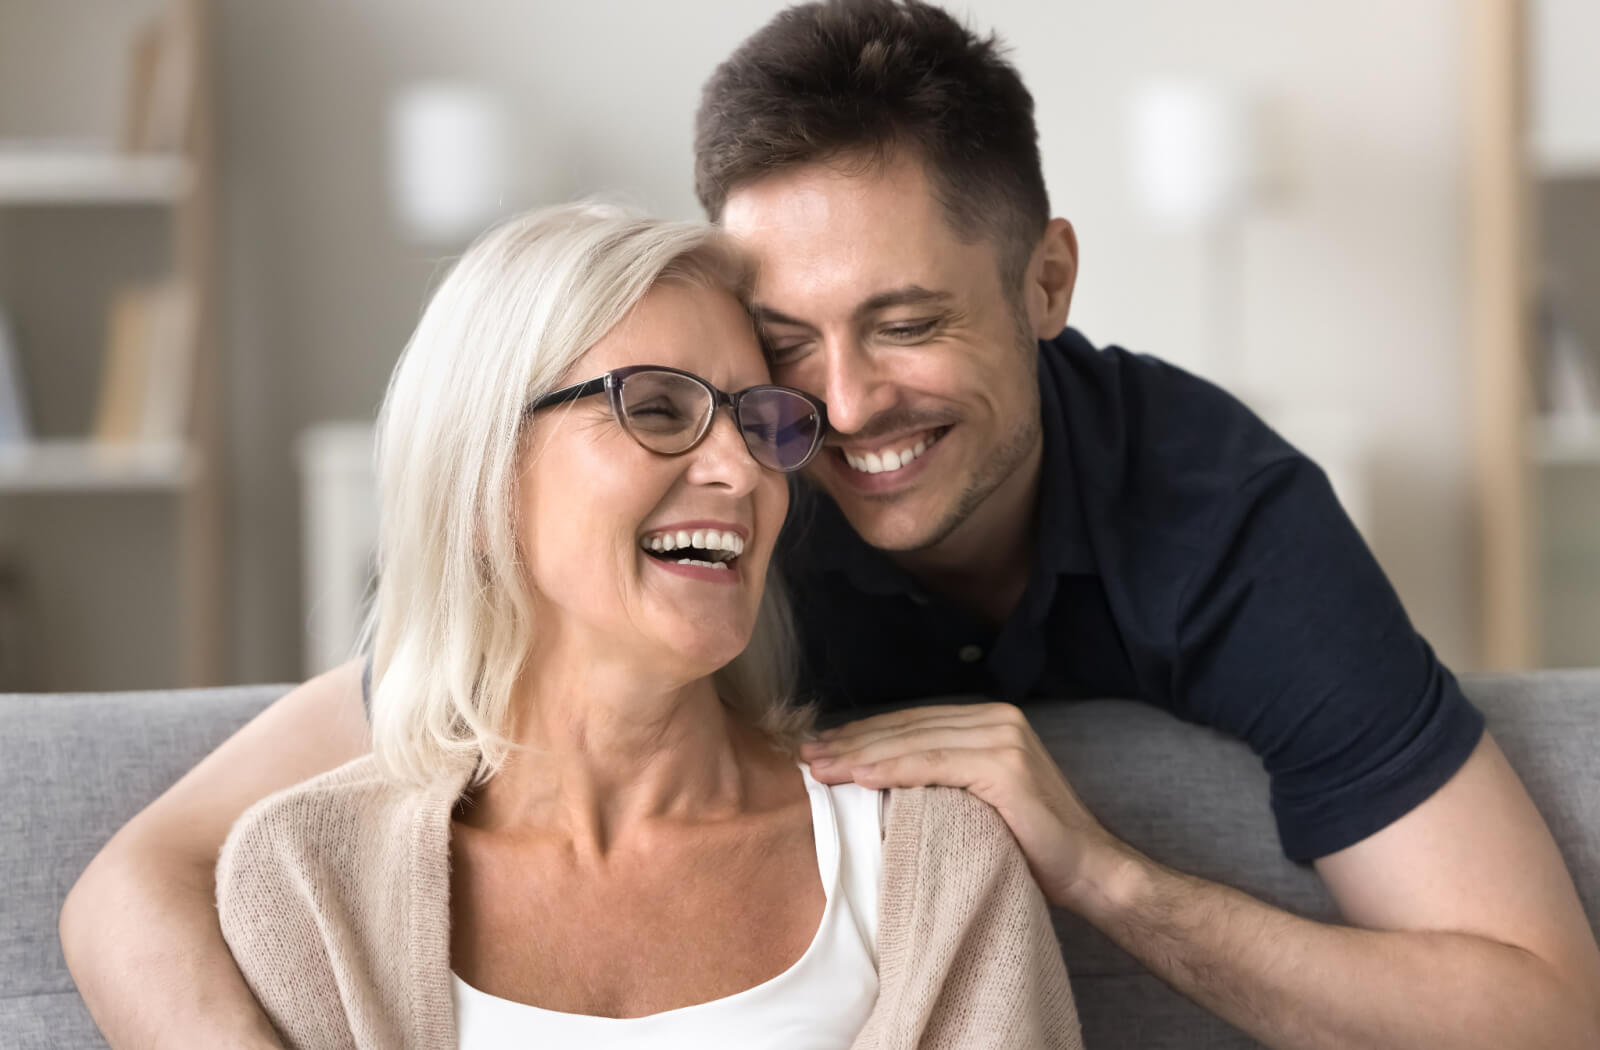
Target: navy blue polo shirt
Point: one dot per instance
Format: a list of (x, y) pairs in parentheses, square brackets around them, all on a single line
[(1187, 556)]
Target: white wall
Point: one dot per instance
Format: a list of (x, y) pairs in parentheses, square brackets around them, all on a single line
[(1352, 295), (1564, 42)]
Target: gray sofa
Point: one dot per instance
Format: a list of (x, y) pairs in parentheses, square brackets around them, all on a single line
[(75, 767)]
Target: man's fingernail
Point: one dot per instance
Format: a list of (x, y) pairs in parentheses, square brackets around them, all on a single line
[(821, 763)]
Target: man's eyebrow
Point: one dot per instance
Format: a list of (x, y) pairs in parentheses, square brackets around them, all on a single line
[(910, 295), (768, 314)]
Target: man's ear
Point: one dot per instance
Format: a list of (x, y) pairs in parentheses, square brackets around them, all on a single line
[(1052, 273)]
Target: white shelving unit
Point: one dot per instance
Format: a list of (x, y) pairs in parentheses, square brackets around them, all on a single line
[(123, 543), (1558, 444), (47, 174), (1568, 164), (73, 465), (36, 174)]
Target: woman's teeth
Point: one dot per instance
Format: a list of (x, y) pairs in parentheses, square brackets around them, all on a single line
[(707, 548), (885, 460)]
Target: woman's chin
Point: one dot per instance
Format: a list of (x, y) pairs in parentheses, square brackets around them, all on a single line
[(701, 656)]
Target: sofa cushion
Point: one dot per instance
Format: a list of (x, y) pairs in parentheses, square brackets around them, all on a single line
[(73, 769)]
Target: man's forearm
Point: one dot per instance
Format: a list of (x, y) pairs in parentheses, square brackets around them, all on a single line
[(1291, 982), (144, 947)]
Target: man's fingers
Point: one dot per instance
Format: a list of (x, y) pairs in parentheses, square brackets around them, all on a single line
[(922, 740), (957, 767), (868, 736), (912, 717)]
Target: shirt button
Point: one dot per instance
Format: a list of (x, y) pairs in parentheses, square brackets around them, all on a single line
[(970, 654)]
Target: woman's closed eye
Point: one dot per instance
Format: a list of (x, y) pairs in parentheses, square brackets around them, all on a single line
[(657, 413)]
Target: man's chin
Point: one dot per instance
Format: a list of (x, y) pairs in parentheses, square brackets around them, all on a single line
[(897, 528)]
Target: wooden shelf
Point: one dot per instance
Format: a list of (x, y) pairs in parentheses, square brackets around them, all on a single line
[(1566, 444), (1569, 164), (45, 174), (81, 465)]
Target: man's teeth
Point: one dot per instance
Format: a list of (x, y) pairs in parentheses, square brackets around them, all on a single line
[(887, 459)]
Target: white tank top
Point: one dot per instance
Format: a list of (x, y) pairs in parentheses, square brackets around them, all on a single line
[(819, 1003)]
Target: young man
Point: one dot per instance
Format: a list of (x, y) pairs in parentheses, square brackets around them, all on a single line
[(1009, 511), (1012, 512)]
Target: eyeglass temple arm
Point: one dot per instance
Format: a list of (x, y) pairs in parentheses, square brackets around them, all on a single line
[(569, 393)]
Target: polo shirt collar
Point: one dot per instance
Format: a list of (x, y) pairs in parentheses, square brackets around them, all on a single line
[(1063, 540)]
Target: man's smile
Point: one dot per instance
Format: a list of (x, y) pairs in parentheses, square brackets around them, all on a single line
[(890, 467), (892, 455)]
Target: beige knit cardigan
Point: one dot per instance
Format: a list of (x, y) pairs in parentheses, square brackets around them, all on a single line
[(334, 897)]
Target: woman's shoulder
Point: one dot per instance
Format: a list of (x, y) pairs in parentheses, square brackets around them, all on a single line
[(305, 808), (318, 826), (946, 837), (946, 816)]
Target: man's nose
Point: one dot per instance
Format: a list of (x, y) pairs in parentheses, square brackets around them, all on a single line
[(856, 386)]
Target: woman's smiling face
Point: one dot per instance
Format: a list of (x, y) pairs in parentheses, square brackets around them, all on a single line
[(591, 500)]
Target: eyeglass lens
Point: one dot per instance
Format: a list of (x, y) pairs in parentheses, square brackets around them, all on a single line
[(668, 413)]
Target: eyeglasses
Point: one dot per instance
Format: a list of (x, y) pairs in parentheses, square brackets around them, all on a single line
[(669, 411)]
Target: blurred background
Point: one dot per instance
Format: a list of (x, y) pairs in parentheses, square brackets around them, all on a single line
[(1377, 222)]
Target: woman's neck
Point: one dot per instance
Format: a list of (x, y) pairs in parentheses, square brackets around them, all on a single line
[(602, 753)]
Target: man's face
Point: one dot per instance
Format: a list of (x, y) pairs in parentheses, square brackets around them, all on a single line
[(866, 298)]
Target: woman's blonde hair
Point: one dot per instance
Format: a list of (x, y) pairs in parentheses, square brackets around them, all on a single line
[(450, 624)]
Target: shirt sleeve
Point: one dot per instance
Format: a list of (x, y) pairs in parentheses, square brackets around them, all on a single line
[(1290, 638)]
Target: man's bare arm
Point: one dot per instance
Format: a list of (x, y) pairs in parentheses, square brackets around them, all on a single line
[(1470, 933), (139, 928), (1473, 932)]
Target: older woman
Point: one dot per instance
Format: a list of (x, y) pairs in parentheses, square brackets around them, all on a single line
[(583, 821)]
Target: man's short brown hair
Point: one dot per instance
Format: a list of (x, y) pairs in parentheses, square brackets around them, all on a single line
[(845, 78)]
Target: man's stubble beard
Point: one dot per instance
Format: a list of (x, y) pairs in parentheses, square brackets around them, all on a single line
[(1007, 458)]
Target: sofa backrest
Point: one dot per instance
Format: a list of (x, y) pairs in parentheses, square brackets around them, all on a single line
[(74, 768), (1198, 802)]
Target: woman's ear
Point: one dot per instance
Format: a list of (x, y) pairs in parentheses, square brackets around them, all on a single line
[(1052, 273)]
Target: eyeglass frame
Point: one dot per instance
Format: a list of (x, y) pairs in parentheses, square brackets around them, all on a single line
[(611, 383)]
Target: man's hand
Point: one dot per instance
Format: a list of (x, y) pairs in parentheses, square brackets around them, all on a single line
[(1475, 936), (992, 751)]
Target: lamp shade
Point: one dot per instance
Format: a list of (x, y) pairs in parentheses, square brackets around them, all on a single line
[(449, 159), (1194, 151)]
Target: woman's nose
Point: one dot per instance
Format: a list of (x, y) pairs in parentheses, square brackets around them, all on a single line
[(722, 457)]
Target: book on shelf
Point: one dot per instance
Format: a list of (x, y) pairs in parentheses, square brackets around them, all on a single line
[(158, 111), (15, 423), (148, 376), (1569, 368)]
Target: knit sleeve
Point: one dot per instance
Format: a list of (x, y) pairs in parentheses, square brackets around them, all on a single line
[(968, 956), (265, 901)]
